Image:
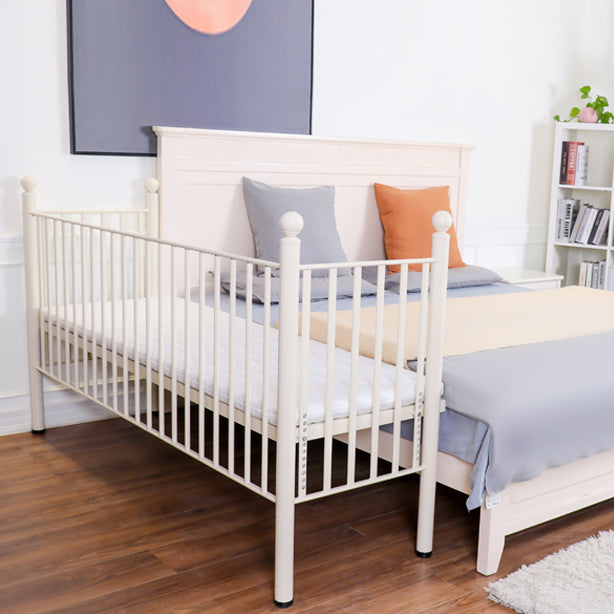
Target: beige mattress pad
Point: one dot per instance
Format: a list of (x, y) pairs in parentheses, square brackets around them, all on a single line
[(483, 322)]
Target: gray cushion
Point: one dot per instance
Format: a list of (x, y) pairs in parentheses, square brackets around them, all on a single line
[(459, 277), (319, 287), (320, 242)]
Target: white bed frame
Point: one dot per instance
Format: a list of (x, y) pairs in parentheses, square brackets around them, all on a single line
[(195, 163), (81, 262)]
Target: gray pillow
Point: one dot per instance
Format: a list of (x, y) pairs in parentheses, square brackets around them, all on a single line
[(319, 287), (458, 277), (320, 242)]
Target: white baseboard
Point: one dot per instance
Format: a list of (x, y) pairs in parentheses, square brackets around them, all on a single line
[(62, 407)]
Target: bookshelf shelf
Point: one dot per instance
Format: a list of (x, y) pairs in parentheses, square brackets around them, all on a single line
[(585, 187), (572, 256), (581, 246)]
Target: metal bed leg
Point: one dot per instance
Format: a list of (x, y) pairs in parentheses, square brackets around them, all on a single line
[(291, 224), (432, 393), (32, 305)]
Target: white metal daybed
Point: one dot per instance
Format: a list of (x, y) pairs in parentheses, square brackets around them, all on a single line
[(136, 320)]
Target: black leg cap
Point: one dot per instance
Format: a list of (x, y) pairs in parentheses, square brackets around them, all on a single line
[(424, 555), (283, 604), (38, 431)]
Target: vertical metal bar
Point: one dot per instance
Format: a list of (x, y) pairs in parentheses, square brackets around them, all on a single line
[(231, 365), (148, 334), (187, 376), (420, 366), (377, 368), (83, 233), (75, 335), (202, 340), (124, 294), (161, 348), (112, 282), (173, 346), (330, 377), (56, 266), (216, 360), (247, 443), (103, 315), (400, 364), (49, 239), (136, 284), (66, 293), (266, 371), (304, 383), (356, 299), (93, 313), (41, 241)]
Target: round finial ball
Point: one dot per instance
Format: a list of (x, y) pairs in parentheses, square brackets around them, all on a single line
[(152, 185), (442, 220), (28, 183), (291, 223)]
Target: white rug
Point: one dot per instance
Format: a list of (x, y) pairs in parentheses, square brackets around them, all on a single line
[(576, 580)]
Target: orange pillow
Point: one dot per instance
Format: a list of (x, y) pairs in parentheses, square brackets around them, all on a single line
[(406, 218)]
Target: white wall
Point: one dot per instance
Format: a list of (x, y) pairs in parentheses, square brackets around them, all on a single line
[(478, 71)]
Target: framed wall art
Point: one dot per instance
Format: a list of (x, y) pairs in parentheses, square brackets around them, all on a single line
[(227, 64)]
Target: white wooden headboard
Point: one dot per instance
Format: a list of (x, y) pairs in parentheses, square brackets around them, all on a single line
[(200, 171)]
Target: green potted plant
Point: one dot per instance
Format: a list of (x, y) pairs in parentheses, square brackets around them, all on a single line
[(593, 112)]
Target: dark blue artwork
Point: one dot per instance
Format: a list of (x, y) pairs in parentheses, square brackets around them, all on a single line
[(135, 64)]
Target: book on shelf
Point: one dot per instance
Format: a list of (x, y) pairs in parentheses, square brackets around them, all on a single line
[(577, 224), (569, 171), (581, 165), (600, 236), (592, 274), (590, 226), (584, 222), (566, 214), (564, 156)]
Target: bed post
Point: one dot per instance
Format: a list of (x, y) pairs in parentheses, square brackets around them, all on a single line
[(37, 408), (432, 389), (291, 224), (153, 207)]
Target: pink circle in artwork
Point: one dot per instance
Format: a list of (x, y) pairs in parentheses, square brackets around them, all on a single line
[(588, 115), (210, 16)]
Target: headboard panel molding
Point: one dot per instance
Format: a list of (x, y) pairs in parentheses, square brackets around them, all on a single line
[(200, 171)]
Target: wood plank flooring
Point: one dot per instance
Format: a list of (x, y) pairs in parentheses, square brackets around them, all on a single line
[(102, 517)]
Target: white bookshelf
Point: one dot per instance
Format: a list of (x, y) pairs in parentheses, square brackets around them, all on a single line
[(564, 258)]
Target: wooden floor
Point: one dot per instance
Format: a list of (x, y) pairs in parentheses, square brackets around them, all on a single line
[(102, 517)]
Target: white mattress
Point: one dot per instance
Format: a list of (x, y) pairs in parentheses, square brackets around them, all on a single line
[(316, 388)]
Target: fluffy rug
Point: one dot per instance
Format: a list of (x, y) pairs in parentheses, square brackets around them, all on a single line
[(576, 580)]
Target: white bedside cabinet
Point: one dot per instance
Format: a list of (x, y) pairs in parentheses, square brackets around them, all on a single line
[(530, 278)]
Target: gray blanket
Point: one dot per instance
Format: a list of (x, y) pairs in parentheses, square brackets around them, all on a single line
[(542, 405)]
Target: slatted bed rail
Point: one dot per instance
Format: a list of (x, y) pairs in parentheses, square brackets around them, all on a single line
[(167, 337)]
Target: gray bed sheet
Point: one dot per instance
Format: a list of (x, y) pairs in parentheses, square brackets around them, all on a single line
[(542, 405)]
